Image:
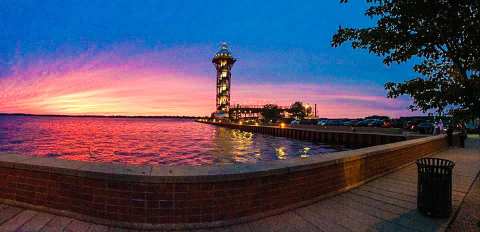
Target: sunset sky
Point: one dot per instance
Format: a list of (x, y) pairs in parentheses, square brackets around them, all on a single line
[(154, 57)]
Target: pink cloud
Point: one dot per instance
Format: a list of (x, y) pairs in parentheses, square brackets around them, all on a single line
[(146, 83)]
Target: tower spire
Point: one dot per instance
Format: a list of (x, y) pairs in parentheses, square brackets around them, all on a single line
[(224, 45)]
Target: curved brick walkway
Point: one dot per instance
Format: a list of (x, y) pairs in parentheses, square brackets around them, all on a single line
[(385, 204)]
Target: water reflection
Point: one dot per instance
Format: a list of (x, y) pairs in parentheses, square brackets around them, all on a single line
[(145, 141), (281, 154), (304, 153)]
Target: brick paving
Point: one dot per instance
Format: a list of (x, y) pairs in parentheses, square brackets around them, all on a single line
[(384, 204)]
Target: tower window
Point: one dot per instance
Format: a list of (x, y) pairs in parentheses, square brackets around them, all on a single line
[(224, 74)]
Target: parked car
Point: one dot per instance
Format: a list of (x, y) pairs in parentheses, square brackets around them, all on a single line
[(411, 125), (425, 128), (308, 122), (376, 123), (387, 124), (322, 122), (365, 122), (397, 123), (350, 123), (295, 122), (334, 123)]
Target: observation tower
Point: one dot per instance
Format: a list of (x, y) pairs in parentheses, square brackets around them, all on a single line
[(223, 61)]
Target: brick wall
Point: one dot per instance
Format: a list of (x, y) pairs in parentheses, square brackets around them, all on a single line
[(186, 199)]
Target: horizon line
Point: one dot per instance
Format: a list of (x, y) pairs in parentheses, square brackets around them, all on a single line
[(101, 116), (158, 116)]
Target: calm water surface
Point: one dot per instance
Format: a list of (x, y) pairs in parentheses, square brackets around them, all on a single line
[(145, 141)]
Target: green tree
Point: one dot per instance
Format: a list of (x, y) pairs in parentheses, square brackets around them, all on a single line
[(441, 37), (298, 110), (271, 112)]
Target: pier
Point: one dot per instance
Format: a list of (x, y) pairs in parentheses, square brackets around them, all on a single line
[(341, 137)]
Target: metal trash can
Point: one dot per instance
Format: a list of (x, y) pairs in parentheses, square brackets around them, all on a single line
[(434, 188)]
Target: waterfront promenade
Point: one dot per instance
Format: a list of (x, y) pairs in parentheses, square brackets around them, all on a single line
[(384, 204)]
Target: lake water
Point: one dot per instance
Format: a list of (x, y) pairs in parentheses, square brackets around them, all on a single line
[(145, 141)]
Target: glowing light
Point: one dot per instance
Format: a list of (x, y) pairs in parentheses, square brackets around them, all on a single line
[(281, 154), (305, 152), (282, 125)]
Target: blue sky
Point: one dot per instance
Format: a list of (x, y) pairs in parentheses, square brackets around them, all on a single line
[(275, 41)]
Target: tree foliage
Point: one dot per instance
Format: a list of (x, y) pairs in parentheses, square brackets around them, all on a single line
[(298, 110), (441, 36), (271, 112)]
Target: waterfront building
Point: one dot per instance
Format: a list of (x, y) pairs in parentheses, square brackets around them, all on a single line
[(223, 61)]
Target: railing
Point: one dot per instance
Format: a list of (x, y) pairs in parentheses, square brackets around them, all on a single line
[(238, 106)]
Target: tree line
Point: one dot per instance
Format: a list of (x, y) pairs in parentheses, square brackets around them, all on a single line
[(273, 113)]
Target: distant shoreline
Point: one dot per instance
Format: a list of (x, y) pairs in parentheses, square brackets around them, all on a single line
[(98, 116)]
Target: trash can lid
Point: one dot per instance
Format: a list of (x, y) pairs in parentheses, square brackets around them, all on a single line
[(435, 162)]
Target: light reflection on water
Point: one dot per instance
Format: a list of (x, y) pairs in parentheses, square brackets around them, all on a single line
[(145, 141)]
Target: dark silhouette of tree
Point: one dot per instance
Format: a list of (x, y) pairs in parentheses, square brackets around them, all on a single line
[(298, 110), (271, 112), (442, 37)]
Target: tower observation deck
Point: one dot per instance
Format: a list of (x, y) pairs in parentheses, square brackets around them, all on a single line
[(223, 61)]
